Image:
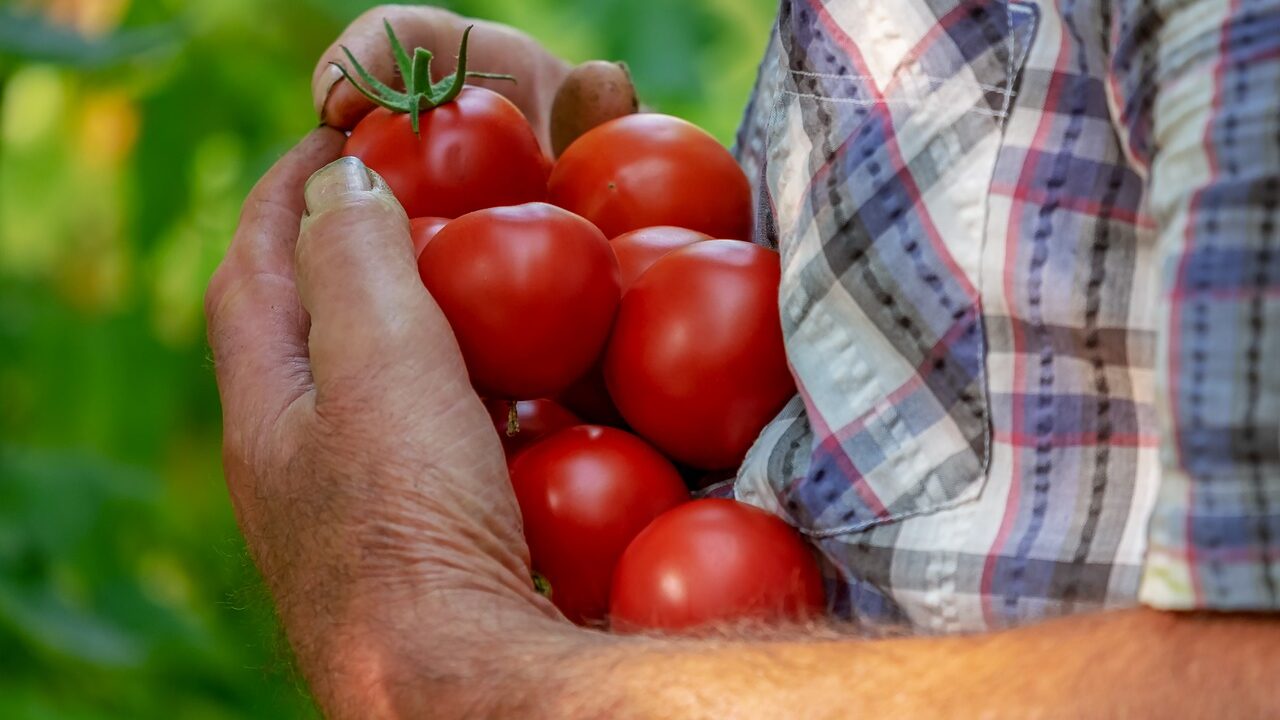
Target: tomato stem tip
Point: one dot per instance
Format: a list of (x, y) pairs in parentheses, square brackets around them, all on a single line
[(513, 419), (420, 94)]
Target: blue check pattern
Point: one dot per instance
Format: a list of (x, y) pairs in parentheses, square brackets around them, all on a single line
[(1031, 298)]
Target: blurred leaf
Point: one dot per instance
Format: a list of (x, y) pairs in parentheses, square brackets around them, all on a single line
[(44, 618), (56, 498), (31, 37)]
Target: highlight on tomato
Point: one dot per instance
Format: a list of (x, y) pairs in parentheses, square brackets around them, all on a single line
[(649, 169), (696, 363), (715, 561), (584, 493), (422, 230), (530, 292), (638, 250)]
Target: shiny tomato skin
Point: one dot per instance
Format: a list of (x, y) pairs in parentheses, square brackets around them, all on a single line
[(530, 292), (475, 152), (639, 249), (584, 493), (648, 169), (714, 560), (696, 363), (536, 419), (422, 230)]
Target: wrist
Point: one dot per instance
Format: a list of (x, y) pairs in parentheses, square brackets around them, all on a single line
[(454, 653)]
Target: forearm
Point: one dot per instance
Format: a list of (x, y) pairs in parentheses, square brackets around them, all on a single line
[(406, 612), (425, 660), (1138, 663), (1133, 663)]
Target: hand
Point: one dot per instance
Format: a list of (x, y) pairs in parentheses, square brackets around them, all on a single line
[(363, 469), (494, 48)]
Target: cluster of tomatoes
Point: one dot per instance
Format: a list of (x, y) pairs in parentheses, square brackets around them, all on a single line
[(625, 335)]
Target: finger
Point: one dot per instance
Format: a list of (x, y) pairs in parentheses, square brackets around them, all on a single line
[(256, 325), (358, 279), (592, 94), (493, 48), (340, 105)]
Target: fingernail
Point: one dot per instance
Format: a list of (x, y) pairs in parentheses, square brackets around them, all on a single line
[(322, 88), (337, 182)]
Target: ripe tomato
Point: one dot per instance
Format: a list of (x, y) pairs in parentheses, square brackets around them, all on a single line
[(584, 494), (422, 230), (714, 560), (474, 152), (530, 292), (648, 169), (696, 363), (536, 419), (639, 249)]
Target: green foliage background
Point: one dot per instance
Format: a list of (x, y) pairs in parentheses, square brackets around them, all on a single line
[(125, 590)]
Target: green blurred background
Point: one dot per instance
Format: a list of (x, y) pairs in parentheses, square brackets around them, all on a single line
[(130, 131)]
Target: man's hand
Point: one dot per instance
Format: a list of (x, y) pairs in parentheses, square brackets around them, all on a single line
[(494, 48), (363, 469)]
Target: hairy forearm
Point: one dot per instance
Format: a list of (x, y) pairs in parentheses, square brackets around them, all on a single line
[(1135, 663)]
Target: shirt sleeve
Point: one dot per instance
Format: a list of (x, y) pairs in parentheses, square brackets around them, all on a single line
[(1194, 87)]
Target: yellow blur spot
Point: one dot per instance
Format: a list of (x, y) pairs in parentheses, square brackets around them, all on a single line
[(185, 256), (33, 105), (108, 129)]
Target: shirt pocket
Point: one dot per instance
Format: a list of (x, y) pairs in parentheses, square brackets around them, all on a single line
[(879, 156)]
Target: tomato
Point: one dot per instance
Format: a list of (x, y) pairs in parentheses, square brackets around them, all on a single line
[(584, 494), (535, 419), (696, 363), (644, 170), (530, 292), (422, 230), (714, 560), (639, 249), (474, 152)]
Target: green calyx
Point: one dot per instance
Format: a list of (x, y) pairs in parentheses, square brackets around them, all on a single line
[(420, 93)]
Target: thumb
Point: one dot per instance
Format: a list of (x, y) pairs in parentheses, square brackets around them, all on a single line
[(358, 280)]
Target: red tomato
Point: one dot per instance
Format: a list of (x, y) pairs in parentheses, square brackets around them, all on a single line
[(474, 152), (714, 560), (530, 292), (422, 230), (584, 494), (589, 399), (696, 363), (644, 170), (536, 419), (639, 249)]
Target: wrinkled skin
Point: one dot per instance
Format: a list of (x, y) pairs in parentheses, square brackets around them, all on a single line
[(363, 469)]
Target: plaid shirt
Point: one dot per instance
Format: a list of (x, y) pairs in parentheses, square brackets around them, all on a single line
[(1031, 297)]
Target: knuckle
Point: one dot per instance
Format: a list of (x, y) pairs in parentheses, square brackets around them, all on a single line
[(355, 227), (219, 284)]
